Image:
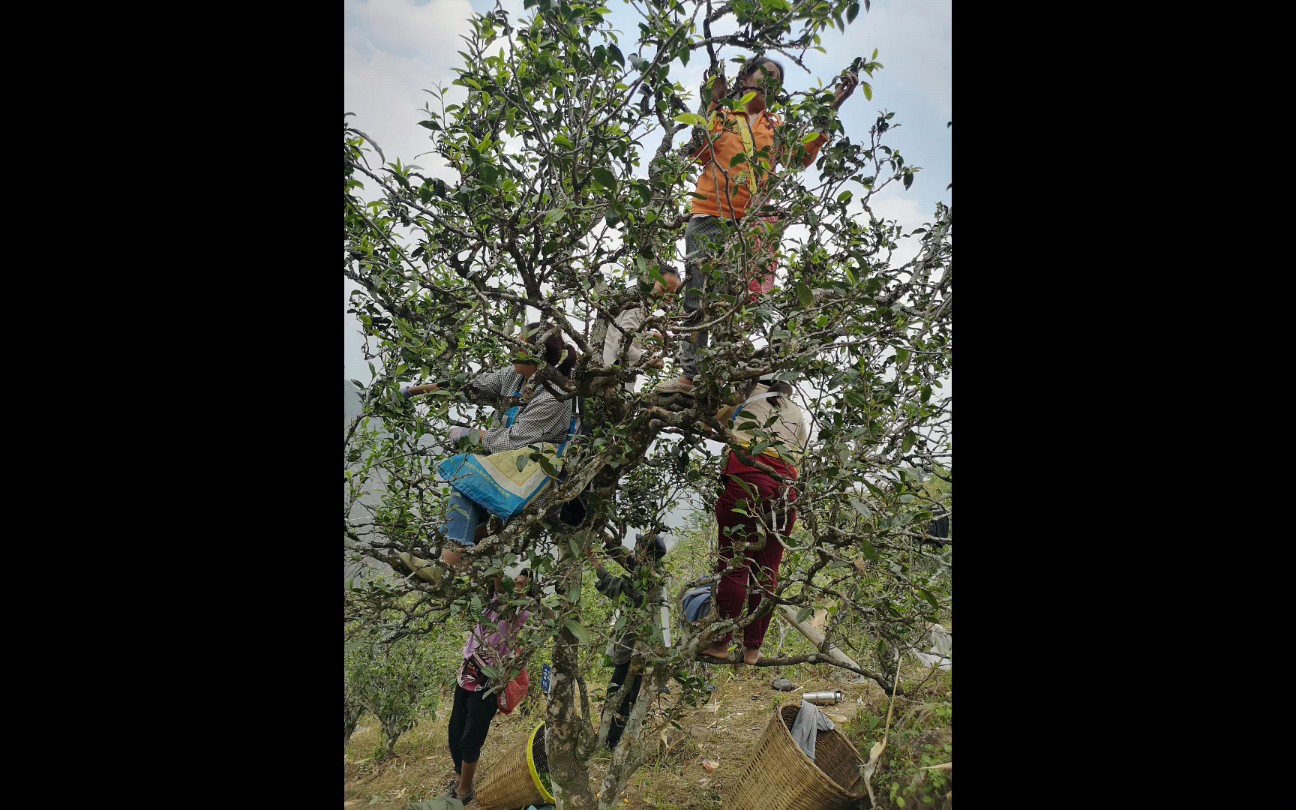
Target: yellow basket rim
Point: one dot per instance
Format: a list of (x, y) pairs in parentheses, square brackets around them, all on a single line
[(535, 776)]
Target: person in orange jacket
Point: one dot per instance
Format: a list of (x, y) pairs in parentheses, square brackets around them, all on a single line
[(725, 192)]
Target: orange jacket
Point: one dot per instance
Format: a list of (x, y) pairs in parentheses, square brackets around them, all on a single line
[(728, 196)]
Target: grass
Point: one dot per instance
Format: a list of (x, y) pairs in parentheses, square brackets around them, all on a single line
[(920, 737), (725, 728)]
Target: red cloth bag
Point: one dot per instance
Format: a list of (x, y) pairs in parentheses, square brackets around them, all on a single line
[(514, 692)]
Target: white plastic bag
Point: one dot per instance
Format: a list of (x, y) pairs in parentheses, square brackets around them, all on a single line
[(942, 646)]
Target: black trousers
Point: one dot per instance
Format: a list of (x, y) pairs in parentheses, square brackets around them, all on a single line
[(618, 679), (470, 719)]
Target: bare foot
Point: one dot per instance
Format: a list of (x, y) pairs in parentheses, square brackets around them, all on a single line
[(751, 655), (451, 557), (718, 651)]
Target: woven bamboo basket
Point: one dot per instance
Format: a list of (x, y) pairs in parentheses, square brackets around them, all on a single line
[(779, 776), (514, 781)]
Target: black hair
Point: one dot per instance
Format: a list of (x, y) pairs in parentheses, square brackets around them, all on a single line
[(646, 281), (501, 590), (651, 545), (749, 67), (784, 388), (554, 347), (533, 583)]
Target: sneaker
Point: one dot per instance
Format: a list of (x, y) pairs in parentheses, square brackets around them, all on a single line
[(680, 385)]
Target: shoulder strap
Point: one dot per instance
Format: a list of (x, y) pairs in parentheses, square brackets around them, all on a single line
[(748, 142), (749, 148), (767, 395), (512, 412), (574, 427)]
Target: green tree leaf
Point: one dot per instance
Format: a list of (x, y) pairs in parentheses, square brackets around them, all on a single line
[(604, 178), (804, 295), (578, 631)]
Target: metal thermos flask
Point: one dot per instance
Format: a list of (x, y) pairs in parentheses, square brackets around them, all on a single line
[(824, 698)]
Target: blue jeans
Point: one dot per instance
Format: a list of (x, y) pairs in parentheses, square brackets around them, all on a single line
[(463, 515)]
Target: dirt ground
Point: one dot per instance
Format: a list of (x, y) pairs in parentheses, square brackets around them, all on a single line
[(726, 730)]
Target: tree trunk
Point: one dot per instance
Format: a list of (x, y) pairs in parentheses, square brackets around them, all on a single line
[(392, 736), (630, 752), (352, 712), (816, 636), (565, 730)]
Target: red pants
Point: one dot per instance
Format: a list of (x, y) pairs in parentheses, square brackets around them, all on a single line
[(755, 569)]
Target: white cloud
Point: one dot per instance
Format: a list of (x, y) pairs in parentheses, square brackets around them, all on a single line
[(906, 210), (913, 39), (395, 51), (427, 30)]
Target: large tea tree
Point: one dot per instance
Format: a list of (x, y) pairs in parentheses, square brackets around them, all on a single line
[(567, 141)]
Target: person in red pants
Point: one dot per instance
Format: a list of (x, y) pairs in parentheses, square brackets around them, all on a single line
[(755, 511)]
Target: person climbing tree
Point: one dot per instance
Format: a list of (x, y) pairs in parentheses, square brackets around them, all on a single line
[(474, 703), (651, 548), (754, 512), (725, 191), (628, 323), (493, 484)]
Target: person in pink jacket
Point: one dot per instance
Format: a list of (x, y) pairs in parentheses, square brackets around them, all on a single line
[(473, 709)]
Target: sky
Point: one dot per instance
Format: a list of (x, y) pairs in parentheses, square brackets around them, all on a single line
[(395, 50)]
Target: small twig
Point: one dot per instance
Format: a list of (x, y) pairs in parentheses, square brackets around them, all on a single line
[(866, 773)]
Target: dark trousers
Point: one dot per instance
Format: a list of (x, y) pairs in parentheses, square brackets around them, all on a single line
[(619, 720), (469, 721), (703, 242)]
